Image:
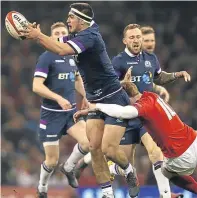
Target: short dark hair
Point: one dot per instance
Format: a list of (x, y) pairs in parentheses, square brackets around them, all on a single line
[(147, 30), (85, 8), (130, 27)]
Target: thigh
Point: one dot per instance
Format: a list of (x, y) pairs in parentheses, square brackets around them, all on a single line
[(78, 131), (112, 135), (51, 125), (95, 130)]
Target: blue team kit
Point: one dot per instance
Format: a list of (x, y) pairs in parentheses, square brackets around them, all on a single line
[(59, 72), (144, 67), (100, 80)]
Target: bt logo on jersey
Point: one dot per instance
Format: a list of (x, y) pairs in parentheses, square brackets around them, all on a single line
[(146, 78), (65, 76)]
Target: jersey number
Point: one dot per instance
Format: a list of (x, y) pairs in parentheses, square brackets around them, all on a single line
[(168, 110)]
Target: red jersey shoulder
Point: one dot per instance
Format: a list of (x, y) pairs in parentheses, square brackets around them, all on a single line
[(146, 102)]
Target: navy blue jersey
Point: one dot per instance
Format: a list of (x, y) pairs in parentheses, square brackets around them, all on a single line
[(59, 72), (145, 67), (95, 67)]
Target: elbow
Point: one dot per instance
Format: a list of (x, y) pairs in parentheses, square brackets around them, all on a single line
[(35, 88)]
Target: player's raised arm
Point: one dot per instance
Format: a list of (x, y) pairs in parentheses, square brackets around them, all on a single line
[(117, 111), (47, 42)]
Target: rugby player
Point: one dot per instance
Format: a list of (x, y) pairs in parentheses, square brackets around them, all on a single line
[(101, 84), (177, 140), (148, 45), (55, 80), (145, 68)]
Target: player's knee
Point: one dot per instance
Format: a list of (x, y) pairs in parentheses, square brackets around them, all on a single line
[(109, 150), (84, 145), (155, 154), (51, 162), (94, 145)]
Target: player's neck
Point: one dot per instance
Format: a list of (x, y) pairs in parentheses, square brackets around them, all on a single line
[(84, 27), (137, 97)]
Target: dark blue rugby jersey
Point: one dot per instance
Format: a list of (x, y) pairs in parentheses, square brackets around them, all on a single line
[(95, 67), (59, 72), (145, 67)]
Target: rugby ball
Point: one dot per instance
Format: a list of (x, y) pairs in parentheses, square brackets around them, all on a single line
[(15, 22)]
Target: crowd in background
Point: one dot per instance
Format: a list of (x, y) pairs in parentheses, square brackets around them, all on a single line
[(175, 24)]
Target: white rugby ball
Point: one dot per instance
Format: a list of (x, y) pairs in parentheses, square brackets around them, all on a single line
[(15, 22)]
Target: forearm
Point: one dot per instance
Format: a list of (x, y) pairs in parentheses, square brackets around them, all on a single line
[(51, 44), (117, 111), (45, 92), (165, 78), (79, 86), (156, 88)]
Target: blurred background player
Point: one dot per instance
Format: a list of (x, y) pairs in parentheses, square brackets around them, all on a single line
[(101, 84), (55, 80), (177, 140), (148, 45)]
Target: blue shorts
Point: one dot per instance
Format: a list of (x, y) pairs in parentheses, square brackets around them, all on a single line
[(134, 132), (120, 98), (54, 124)]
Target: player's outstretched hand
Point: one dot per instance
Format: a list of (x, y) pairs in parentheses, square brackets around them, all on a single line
[(80, 113), (65, 104), (183, 74), (32, 31)]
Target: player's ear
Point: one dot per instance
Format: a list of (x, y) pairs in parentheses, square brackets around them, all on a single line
[(124, 41), (82, 22)]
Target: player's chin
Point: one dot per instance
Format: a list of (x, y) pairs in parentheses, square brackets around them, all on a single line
[(70, 30), (136, 50)]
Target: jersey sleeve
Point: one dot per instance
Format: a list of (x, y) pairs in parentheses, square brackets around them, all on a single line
[(81, 43), (158, 67), (42, 66), (118, 67)]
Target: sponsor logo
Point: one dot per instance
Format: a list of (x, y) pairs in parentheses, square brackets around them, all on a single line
[(66, 76), (92, 113), (146, 78), (98, 92), (132, 63), (119, 120), (23, 23), (59, 61), (51, 135)]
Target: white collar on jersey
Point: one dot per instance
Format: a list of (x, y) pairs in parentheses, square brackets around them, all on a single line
[(129, 53), (92, 23)]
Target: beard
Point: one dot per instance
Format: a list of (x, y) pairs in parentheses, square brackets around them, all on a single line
[(133, 50)]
